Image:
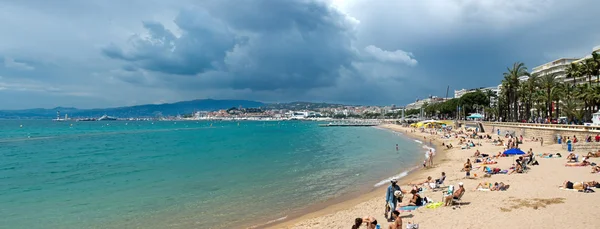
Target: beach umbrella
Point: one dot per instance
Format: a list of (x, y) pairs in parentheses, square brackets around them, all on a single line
[(514, 152)]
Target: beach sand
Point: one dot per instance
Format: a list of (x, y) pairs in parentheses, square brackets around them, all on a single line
[(532, 201)]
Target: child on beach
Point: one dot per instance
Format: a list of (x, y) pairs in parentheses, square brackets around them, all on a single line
[(467, 167)]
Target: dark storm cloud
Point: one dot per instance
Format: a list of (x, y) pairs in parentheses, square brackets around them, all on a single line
[(259, 45), (356, 51), (202, 45)]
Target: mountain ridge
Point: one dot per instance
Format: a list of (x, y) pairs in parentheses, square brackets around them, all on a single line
[(154, 110)]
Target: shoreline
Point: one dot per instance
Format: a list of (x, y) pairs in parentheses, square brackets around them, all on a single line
[(351, 200), (534, 194)]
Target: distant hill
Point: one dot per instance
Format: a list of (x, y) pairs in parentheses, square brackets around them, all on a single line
[(149, 110), (302, 105)]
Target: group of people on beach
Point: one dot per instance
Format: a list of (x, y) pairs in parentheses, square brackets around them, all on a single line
[(395, 195)]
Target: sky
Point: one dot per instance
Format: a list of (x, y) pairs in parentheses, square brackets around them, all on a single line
[(107, 53)]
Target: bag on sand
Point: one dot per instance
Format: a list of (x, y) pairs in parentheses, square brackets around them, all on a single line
[(412, 226)]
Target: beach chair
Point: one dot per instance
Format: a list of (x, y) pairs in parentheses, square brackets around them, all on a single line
[(458, 201), (438, 183)]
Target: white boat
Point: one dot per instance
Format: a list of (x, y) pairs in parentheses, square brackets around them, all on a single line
[(107, 118)]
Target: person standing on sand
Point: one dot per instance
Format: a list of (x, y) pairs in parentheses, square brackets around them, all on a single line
[(430, 158), (397, 220), (541, 141), (467, 168), (391, 198)]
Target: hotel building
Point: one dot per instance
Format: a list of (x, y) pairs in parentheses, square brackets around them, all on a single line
[(560, 66)]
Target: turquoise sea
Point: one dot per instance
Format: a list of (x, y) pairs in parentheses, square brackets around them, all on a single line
[(185, 174)]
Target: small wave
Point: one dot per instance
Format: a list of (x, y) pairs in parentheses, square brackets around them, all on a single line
[(380, 183), (417, 141), (427, 148), (268, 222)]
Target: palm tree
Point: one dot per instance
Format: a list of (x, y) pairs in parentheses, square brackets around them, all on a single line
[(596, 71), (586, 94), (557, 93), (530, 87), (573, 72), (588, 68), (570, 107), (511, 77), (548, 84)]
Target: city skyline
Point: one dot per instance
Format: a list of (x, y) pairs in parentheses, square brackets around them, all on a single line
[(109, 54)]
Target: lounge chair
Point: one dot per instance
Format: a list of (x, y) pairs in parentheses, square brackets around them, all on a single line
[(458, 200), (438, 183)]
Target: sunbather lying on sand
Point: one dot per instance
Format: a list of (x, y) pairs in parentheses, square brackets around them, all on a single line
[(490, 170), (428, 181), (592, 154), (550, 155), (500, 154), (596, 169), (489, 162), (579, 185), (585, 162), (492, 187)]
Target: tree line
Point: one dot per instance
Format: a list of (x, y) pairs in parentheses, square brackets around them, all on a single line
[(541, 96)]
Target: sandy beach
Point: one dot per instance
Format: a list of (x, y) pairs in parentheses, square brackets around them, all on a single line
[(533, 200)]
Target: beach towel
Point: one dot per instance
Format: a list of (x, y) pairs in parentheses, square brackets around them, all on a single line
[(566, 189), (407, 208), (434, 205)]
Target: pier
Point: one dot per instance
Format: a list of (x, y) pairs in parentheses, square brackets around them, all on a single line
[(358, 123)]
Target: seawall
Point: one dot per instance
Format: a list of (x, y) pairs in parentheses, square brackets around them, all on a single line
[(548, 132)]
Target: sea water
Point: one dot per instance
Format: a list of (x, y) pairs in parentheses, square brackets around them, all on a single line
[(184, 174)]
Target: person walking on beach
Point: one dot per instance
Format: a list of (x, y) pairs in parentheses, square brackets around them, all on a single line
[(392, 196)]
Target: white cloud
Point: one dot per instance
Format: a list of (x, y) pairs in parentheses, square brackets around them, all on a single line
[(397, 56), (11, 63)]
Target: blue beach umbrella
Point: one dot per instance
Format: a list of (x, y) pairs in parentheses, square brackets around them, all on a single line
[(514, 152)]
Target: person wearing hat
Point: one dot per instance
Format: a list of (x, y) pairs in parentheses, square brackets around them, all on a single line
[(457, 193), (393, 194)]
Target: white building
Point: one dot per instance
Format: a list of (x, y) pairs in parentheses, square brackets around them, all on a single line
[(584, 79), (496, 90), (419, 103), (557, 67)]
